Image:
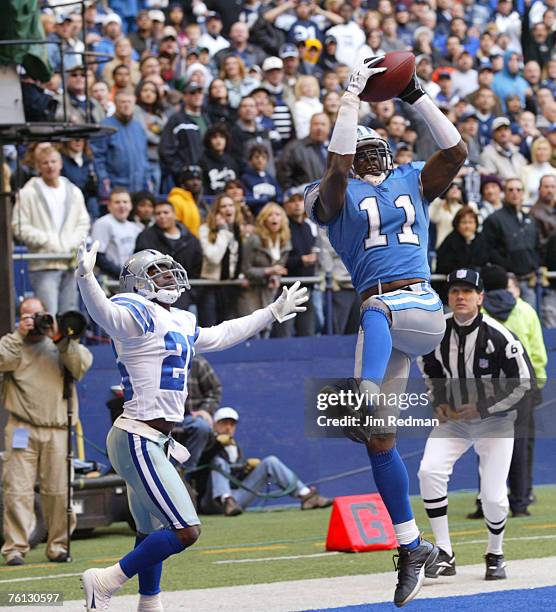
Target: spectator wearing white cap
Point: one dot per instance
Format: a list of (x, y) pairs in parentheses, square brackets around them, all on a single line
[(212, 39), (283, 96), (158, 19), (112, 30), (224, 454), (501, 157)]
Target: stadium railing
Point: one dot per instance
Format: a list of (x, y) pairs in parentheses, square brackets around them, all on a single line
[(20, 256)]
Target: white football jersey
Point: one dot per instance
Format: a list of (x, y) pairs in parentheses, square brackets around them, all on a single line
[(154, 365)]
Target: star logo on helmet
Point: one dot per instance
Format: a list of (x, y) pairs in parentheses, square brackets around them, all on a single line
[(125, 273)]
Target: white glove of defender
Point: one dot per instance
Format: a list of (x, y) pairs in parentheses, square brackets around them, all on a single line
[(289, 303), (86, 259), (362, 73)]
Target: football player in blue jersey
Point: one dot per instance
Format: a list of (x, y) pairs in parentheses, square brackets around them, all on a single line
[(377, 220)]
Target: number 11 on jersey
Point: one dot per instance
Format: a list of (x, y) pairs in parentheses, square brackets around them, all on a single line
[(375, 238)]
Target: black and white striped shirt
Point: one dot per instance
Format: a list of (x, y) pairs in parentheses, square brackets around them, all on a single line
[(488, 357)]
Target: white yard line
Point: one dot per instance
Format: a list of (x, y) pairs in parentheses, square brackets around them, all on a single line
[(325, 593), (327, 554), (283, 558), (34, 578)]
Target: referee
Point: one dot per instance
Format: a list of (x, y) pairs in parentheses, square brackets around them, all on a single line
[(493, 374)]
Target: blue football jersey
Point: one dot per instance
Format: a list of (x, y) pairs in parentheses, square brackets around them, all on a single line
[(381, 233)]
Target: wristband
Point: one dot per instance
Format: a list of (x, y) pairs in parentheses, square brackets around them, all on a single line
[(344, 135)]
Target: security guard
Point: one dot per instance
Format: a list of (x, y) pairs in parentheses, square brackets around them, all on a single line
[(493, 376)]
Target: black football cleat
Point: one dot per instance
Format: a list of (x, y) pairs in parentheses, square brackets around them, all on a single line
[(445, 565), (411, 567), (356, 430), (478, 512), (495, 567)]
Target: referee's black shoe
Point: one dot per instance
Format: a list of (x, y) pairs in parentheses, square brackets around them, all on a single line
[(478, 512), (445, 565), (495, 567), (411, 566)]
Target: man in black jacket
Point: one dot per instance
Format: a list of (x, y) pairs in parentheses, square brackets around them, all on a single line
[(301, 261), (247, 132), (537, 41), (304, 161), (181, 141), (511, 240), (172, 238), (217, 164)]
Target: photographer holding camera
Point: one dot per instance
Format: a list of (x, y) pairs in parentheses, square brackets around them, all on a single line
[(33, 359)]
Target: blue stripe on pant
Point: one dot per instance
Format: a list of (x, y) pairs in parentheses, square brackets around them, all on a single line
[(157, 495)]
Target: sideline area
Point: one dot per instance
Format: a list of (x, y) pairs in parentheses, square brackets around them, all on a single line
[(276, 561)]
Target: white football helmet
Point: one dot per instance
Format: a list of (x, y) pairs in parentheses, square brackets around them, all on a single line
[(373, 160), (145, 273)]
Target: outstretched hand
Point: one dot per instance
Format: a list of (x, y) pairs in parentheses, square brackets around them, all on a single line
[(86, 259), (363, 72), (290, 303)]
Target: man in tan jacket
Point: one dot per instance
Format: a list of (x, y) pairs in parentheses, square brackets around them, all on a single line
[(50, 217), (36, 432)]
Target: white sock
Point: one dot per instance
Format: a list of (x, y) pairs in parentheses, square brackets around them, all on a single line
[(494, 545), (441, 531), (112, 578), (148, 603), (303, 491), (406, 532)]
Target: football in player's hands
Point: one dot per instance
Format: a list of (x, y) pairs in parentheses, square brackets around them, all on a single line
[(387, 85)]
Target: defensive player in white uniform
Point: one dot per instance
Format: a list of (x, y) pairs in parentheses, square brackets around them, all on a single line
[(154, 345)]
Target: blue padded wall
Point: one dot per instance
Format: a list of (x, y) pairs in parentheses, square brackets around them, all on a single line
[(264, 381)]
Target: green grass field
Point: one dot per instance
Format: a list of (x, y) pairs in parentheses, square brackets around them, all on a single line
[(278, 533)]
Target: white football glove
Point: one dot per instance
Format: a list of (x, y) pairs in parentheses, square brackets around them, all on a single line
[(289, 303), (362, 73), (86, 259)]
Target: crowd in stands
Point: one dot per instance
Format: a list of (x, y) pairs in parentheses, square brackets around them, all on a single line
[(221, 114)]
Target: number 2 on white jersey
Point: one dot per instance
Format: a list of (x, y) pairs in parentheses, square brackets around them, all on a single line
[(375, 238)]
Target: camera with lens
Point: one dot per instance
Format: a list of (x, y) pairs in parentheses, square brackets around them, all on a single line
[(43, 322), (71, 324)]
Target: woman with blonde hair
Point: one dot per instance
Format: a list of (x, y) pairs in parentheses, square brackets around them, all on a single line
[(238, 83), (307, 104), (221, 239), (264, 258), (531, 174)]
